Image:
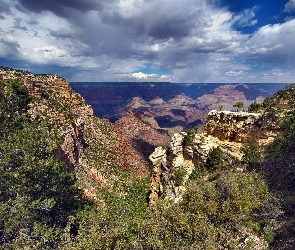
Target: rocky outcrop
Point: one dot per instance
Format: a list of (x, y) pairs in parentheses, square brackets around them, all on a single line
[(72, 148), (240, 126), (36, 84), (227, 130), (180, 157)]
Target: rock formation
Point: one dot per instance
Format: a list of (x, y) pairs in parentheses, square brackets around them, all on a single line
[(240, 126), (225, 129)]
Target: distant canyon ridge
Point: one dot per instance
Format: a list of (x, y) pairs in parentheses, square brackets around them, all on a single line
[(172, 107)]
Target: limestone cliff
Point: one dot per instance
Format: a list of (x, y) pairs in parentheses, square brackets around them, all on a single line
[(240, 126), (227, 130)]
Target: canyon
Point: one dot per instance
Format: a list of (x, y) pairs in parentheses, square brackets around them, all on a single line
[(173, 106), (114, 161)]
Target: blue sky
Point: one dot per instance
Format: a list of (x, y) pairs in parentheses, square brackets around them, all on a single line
[(151, 40)]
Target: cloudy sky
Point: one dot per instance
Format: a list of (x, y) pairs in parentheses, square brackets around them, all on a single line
[(151, 40)]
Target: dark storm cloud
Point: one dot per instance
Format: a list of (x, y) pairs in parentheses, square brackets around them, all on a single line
[(62, 7), (173, 28), (61, 34), (113, 32), (8, 48)]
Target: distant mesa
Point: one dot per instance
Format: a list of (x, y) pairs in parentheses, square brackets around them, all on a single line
[(181, 99), (157, 101), (137, 102)]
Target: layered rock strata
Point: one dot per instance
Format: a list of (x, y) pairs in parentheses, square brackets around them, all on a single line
[(240, 126)]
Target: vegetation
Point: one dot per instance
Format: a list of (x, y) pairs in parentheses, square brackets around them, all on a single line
[(180, 173), (255, 107), (238, 105), (37, 193), (215, 160), (212, 214), (41, 206), (252, 155), (189, 137)]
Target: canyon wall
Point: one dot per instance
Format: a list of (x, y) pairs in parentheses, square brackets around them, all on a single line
[(97, 150)]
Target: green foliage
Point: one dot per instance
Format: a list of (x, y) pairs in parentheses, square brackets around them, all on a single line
[(215, 160), (272, 109), (180, 173), (14, 100), (198, 172), (252, 154), (37, 193), (255, 107), (188, 137), (114, 224), (211, 214), (238, 105)]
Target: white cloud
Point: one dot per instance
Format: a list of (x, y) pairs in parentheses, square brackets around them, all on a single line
[(219, 20), (150, 77), (273, 44)]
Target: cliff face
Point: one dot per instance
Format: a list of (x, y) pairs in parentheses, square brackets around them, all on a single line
[(95, 148), (240, 126), (228, 130), (143, 137)]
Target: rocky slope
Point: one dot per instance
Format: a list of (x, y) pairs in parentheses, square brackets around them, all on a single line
[(144, 137), (93, 147)]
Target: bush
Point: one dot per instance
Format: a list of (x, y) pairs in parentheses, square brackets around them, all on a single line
[(255, 107), (188, 137), (211, 215), (179, 173), (37, 193), (252, 154), (215, 159)]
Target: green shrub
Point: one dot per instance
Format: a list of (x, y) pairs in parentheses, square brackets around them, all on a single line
[(215, 159), (188, 137), (211, 213), (252, 154), (255, 107)]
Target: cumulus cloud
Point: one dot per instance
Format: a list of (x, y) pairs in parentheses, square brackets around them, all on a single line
[(273, 45), (150, 77), (290, 6), (109, 40)]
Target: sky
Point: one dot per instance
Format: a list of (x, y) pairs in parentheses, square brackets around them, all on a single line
[(187, 41)]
